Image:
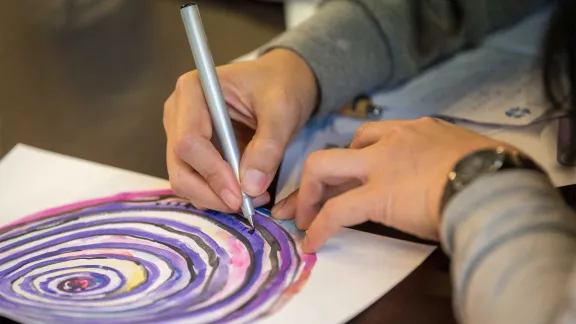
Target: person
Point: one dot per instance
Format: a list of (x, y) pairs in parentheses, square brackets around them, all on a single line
[(511, 236)]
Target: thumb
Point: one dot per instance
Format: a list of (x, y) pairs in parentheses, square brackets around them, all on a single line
[(265, 151)]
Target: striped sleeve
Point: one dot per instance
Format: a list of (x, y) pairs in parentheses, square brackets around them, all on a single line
[(512, 240)]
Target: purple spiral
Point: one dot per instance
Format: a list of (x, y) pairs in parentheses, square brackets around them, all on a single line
[(146, 257)]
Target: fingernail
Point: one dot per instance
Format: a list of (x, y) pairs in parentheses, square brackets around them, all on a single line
[(231, 200), (254, 182)]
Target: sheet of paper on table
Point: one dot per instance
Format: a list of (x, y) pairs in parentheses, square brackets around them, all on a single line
[(352, 272)]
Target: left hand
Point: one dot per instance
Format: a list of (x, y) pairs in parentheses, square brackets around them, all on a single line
[(394, 173)]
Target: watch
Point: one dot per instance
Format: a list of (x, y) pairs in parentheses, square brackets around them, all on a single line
[(481, 163)]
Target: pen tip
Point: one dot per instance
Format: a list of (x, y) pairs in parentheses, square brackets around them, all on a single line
[(250, 218)]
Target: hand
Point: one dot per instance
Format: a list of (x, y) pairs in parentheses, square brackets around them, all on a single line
[(394, 173), (272, 97)]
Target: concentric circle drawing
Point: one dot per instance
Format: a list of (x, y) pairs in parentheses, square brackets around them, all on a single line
[(146, 257)]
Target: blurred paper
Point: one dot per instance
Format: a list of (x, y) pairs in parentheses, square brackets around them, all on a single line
[(352, 271), (298, 11), (484, 86), (247, 57)]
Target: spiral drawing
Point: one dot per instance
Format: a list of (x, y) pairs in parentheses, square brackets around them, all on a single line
[(146, 257)]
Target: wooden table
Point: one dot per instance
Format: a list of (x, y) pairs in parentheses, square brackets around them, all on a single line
[(90, 81)]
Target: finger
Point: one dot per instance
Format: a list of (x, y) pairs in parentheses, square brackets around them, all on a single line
[(202, 156), (265, 151), (286, 208), (333, 167), (190, 185), (188, 130), (354, 207)]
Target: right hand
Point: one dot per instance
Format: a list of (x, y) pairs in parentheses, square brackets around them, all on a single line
[(273, 96)]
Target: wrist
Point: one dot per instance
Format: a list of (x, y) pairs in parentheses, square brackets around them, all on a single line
[(296, 76), (482, 163)]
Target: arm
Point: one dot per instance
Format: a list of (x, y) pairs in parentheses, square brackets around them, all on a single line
[(512, 240), (355, 46)]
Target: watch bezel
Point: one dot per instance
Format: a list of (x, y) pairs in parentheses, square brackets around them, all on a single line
[(495, 156), (502, 158)]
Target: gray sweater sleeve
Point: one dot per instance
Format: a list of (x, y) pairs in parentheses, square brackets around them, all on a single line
[(512, 240), (354, 46)]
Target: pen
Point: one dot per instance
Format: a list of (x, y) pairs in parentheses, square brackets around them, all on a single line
[(213, 94)]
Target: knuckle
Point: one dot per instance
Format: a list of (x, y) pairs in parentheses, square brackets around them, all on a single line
[(212, 175), (314, 160), (186, 81), (427, 120), (182, 146), (363, 130), (186, 145), (398, 129)]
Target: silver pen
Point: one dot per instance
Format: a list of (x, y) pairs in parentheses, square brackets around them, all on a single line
[(214, 98)]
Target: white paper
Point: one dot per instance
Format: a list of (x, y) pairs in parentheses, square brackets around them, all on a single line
[(353, 271), (247, 57)]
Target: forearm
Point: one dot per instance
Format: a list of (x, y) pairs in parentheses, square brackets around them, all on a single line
[(513, 244), (356, 46)]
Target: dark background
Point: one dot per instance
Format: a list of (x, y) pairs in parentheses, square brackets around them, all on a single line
[(89, 79)]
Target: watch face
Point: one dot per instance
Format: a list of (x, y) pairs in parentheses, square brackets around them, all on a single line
[(479, 163)]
